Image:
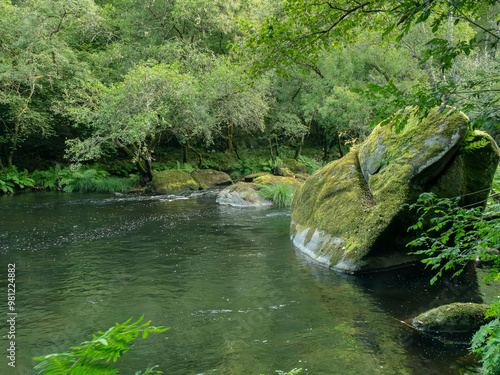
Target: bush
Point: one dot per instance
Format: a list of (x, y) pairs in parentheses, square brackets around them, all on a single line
[(280, 194), (312, 164), (11, 180), (92, 180)]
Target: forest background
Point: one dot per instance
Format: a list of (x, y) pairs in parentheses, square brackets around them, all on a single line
[(141, 86)]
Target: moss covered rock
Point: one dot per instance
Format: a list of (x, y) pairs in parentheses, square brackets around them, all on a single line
[(242, 194), (284, 171), (455, 318), (269, 179), (351, 215), (173, 182), (211, 178), (294, 166), (253, 176)]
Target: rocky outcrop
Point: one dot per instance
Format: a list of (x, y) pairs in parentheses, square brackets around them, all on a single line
[(351, 215), (454, 319), (173, 182), (210, 178), (242, 194)]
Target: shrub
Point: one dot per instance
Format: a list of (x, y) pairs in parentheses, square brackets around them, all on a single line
[(312, 164), (11, 180), (92, 180)]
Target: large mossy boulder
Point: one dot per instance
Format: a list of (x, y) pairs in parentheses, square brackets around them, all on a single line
[(243, 195), (173, 182), (351, 214), (211, 178), (452, 319)]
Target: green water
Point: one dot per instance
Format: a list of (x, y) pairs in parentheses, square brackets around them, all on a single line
[(238, 298)]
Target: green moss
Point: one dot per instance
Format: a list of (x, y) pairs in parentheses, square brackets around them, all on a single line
[(294, 166), (452, 318), (269, 179), (211, 177), (173, 181), (357, 200)]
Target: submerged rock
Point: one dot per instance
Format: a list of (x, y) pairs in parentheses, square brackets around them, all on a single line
[(211, 178), (242, 194), (350, 215), (173, 182), (456, 318)]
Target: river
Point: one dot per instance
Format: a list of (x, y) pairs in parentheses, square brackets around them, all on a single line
[(237, 298)]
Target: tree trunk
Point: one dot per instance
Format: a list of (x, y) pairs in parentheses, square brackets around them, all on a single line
[(339, 145), (271, 148), (200, 156), (298, 150), (149, 169), (230, 132), (185, 154), (142, 169)]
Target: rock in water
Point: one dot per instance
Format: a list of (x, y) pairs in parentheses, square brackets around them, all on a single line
[(211, 178), (173, 182), (242, 194), (350, 216), (455, 318)]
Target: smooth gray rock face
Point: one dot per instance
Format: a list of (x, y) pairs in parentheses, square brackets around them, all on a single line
[(242, 195), (351, 214)]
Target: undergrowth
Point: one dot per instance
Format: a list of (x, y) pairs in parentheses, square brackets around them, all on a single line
[(280, 194)]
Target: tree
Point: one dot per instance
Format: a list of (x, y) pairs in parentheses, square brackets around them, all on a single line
[(133, 115), (238, 102), (302, 29), (36, 63)]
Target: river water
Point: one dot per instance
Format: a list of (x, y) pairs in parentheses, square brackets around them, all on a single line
[(238, 298)]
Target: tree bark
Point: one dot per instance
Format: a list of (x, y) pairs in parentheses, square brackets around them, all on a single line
[(185, 154), (298, 150), (339, 145), (230, 132)]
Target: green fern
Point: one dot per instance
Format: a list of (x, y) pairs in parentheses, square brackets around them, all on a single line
[(11, 180), (470, 144), (92, 357)]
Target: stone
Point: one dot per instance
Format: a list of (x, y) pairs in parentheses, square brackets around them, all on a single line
[(243, 195), (273, 180), (284, 171), (294, 166), (173, 182), (253, 176), (211, 178), (454, 318), (352, 214)]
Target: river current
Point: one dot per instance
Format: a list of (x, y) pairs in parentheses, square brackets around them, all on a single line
[(237, 297)]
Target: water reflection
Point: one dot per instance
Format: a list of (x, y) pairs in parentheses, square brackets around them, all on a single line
[(238, 298)]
